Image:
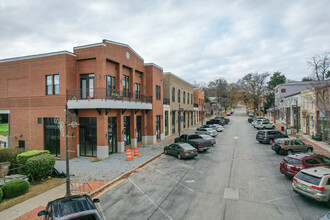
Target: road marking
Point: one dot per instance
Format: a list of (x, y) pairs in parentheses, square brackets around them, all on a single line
[(190, 181), (236, 137), (231, 193), (150, 199), (277, 198), (171, 178)]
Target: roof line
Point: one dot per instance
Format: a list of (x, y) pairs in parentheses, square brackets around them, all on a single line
[(153, 64), (125, 45), (89, 45), (37, 56), (169, 73)]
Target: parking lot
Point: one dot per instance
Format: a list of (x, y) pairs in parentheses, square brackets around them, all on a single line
[(238, 178)]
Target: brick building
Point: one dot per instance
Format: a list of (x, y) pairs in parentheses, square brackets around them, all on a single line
[(199, 103), (116, 97)]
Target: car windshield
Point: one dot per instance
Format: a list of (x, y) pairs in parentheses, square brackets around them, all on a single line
[(187, 147), (308, 178), (261, 133), (293, 161), (194, 137)]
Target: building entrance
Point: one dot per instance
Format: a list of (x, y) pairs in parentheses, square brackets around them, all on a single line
[(87, 137), (112, 134)]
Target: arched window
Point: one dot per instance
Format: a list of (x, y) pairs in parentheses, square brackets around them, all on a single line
[(192, 99), (188, 98), (173, 94), (184, 97), (179, 95)]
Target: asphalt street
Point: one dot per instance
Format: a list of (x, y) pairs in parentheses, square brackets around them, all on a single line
[(239, 178)]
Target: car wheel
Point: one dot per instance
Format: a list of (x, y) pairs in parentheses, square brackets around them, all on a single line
[(290, 152), (260, 142), (309, 150), (165, 152), (264, 127), (179, 156), (273, 127), (270, 141)]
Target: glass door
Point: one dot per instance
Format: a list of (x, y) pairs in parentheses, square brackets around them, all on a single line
[(138, 129), (112, 134), (158, 126), (87, 86), (87, 137), (51, 137)]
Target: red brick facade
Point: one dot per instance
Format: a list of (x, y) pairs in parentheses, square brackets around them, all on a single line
[(23, 93)]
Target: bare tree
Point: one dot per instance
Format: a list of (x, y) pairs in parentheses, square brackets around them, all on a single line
[(320, 64), (253, 86)]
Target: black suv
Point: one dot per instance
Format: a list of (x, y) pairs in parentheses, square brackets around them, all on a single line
[(222, 118), (216, 121), (72, 207), (268, 136)]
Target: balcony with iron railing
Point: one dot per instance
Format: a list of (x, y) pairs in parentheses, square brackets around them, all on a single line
[(105, 98)]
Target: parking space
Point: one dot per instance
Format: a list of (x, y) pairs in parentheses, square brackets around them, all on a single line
[(238, 178)]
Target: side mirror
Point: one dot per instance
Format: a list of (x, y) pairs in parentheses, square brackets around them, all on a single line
[(96, 200), (41, 213)]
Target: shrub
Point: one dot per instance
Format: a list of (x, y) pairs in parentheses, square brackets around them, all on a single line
[(1, 194), (9, 154), (40, 167), (23, 157), (15, 188)]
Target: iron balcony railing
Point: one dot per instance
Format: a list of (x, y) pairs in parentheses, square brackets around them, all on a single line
[(104, 93), (166, 101)]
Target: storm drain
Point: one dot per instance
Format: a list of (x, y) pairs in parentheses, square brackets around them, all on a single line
[(231, 193)]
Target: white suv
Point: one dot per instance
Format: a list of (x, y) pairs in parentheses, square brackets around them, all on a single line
[(314, 183), (265, 124)]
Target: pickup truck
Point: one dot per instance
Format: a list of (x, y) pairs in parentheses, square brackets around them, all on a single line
[(195, 141)]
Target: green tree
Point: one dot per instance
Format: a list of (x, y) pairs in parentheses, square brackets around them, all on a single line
[(306, 79), (276, 79)]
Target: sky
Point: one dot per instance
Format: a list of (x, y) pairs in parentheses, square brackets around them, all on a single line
[(199, 41)]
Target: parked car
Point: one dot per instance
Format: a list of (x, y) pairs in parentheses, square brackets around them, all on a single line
[(199, 144), (290, 146), (216, 121), (268, 136), (292, 164), (228, 114), (71, 207), (208, 131), (208, 137), (317, 137), (181, 150), (251, 119), (254, 123), (313, 183), (265, 124), (216, 127), (223, 118), (325, 217)]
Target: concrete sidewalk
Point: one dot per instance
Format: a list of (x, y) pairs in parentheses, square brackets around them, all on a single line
[(28, 209)]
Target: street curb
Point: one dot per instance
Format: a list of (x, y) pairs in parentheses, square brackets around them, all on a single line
[(96, 192)]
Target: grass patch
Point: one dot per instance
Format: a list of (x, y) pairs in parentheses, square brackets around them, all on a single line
[(4, 129), (35, 189)]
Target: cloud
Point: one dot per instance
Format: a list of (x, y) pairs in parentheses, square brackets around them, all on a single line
[(197, 40)]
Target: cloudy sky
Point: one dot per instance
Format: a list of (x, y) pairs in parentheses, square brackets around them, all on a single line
[(196, 40)]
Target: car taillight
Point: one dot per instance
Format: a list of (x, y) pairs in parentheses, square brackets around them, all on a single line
[(318, 188), (185, 152), (295, 179), (282, 145), (209, 132), (198, 145), (195, 150), (273, 142)]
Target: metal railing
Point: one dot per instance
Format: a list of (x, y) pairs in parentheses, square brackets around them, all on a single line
[(104, 93)]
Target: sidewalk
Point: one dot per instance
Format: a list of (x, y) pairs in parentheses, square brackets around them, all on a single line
[(96, 174)]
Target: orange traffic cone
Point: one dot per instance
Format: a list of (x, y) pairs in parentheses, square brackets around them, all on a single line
[(128, 154), (136, 152)]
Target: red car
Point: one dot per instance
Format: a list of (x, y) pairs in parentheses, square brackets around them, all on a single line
[(292, 164)]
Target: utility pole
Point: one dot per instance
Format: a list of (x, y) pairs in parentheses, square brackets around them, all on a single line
[(68, 193)]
